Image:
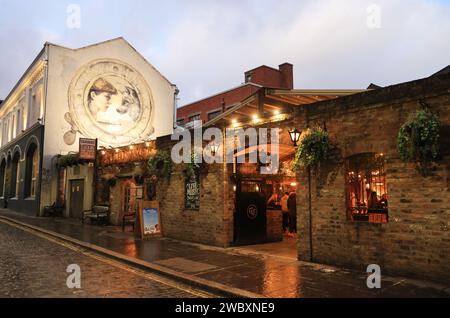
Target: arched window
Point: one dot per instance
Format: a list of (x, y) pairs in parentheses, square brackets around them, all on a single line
[(2, 178), (31, 171), (366, 188), (15, 175)]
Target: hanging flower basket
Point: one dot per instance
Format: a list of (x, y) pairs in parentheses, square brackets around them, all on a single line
[(418, 138), (160, 165), (314, 148)]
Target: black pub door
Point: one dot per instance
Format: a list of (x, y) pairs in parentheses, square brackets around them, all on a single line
[(250, 218), (76, 198)]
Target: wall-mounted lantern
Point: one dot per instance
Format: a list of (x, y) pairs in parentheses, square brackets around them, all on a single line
[(295, 136)]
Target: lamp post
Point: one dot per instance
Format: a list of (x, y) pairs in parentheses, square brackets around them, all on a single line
[(295, 136)]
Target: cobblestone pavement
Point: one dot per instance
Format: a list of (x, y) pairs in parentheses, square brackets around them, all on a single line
[(33, 266), (266, 275)]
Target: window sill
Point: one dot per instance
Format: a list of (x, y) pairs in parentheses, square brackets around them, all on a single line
[(31, 198), (14, 199)]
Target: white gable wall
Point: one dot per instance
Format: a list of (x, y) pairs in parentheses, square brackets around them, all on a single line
[(64, 67)]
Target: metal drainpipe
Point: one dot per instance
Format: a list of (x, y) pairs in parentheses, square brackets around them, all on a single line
[(309, 201), (175, 106), (310, 216)]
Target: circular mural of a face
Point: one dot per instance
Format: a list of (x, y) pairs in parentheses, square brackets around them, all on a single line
[(111, 101)]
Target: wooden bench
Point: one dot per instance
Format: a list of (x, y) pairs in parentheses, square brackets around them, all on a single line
[(99, 214), (54, 210)]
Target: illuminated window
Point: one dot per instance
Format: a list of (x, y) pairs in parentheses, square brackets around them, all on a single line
[(367, 196)]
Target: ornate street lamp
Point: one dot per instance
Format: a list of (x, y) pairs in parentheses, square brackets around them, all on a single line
[(295, 136)]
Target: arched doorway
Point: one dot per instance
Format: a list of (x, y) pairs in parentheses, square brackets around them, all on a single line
[(31, 171), (2, 177), (15, 176)]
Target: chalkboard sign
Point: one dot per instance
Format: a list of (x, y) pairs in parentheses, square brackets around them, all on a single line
[(192, 200), (149, 218)]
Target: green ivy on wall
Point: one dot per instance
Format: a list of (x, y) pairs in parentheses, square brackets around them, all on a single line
[(68, 160), (192, 167)]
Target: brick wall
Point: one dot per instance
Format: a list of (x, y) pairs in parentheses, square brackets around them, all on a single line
[(214, 103), (205, 225), (416, 241)]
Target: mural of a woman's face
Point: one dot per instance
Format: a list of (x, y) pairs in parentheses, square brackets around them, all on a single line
[(110, 101), (99, 101), (100, 96)]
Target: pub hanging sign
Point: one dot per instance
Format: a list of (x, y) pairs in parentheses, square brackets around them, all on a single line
[(87, 148), (192, 200)]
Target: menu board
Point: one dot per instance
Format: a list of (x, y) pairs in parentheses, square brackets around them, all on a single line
[(192, 197), (150, 219)]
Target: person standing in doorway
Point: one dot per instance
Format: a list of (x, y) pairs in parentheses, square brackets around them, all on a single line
[(292, 206), (285, 211)]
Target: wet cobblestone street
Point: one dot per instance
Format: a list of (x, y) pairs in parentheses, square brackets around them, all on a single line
[(32, 266)]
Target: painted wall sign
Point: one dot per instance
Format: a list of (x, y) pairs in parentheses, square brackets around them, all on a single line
[(140, 152), (87, 148), (111, 101), (192, 199)]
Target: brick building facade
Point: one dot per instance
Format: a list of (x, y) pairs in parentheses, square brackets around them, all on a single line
[(414, 241)]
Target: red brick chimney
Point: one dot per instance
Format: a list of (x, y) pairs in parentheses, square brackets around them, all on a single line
[(286, 70)]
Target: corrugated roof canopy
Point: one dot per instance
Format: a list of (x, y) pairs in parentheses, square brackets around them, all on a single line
[(267, 103)]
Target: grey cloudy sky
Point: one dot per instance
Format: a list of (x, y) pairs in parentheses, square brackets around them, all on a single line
[(204, 46)]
